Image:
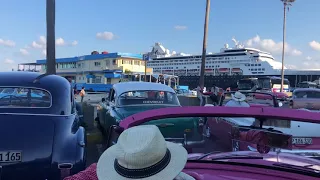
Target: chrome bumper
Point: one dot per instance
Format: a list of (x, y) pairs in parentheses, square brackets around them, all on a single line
[(306, 153)]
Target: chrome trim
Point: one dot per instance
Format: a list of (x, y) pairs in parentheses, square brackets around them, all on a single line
[(306, 153), (29, 114), (29, 88), (64, 164), (81, 144)]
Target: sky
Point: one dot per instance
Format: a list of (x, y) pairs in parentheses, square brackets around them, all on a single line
[(134, 26)]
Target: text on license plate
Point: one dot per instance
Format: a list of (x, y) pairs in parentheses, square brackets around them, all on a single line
[(301, 140), (10, 156)]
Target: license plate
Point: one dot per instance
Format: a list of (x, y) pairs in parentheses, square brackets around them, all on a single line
[(10, 156), (301, 140)]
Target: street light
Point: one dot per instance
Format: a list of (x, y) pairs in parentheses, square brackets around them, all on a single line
[(204, 47), (286, 3)]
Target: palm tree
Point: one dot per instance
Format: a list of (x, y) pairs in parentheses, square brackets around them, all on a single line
[(286, 3), (51, 47)]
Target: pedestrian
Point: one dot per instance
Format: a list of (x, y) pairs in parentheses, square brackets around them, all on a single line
[(82, 93), (214, 94), (200, 95)]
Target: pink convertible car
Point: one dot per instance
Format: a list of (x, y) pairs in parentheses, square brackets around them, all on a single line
[(212, 160)]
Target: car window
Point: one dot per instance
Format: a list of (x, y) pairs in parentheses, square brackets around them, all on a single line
[(307, 94), (24, 97), (147, 98)]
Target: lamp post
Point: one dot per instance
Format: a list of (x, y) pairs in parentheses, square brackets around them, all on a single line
[(286, 3), (204, 46), (51, 46)]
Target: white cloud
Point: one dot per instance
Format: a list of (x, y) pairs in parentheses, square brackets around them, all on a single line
[(74, 43), (311, 65), (271, 46), (24, 52), (105, 35), (178, 27), (8, 43), (309, 58), (315, 45), (60, 42), (8, 61), (41, 44), (44, 52)]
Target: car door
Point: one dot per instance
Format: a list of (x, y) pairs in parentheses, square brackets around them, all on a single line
[(109, 114)]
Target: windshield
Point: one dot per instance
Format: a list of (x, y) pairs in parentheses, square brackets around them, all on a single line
[(307, 94), (245, 85), (24, 97), (252, 98), (148, 98), (226, 138)]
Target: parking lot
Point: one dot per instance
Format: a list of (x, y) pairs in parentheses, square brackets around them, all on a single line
[(96, 140)]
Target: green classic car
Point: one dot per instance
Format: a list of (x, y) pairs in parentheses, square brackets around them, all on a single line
[(129, 98)]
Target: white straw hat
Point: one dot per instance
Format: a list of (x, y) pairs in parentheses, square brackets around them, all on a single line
[(238, 96), (142, 153)]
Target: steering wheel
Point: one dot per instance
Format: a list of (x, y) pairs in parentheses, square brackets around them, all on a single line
[(17, 97)]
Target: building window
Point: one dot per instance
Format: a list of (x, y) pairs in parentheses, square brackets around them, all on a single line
[(97, 79), (97, 64)]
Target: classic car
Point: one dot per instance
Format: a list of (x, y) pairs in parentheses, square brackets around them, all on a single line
[(308, 98), (306, 137), (212, 161), (129, 98), (254, 99), (41, 136)]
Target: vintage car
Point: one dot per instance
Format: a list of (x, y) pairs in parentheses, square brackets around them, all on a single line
[(212, 161), (129, 98), (308, 98), (254, 99), (305, 135), (41, 136)]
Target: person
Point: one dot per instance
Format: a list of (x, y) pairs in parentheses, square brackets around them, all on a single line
[(238, 100), (140, 153), (82, 93), (102, 104), (214, 94), (200, 95), (75, 89)]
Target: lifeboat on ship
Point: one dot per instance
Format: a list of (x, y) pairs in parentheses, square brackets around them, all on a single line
[(224, 70)]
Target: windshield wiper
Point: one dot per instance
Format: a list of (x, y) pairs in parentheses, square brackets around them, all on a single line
[(237, 157)]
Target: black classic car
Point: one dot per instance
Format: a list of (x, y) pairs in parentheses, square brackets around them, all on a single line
[(40, 132)]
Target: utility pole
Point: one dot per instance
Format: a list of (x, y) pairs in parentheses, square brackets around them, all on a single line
[(51, 44), (204, 46), (285, 4)]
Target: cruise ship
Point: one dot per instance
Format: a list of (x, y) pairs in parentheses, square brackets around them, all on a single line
[(225, 68)]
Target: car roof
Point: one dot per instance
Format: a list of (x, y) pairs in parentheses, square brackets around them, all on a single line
[(306, 89), (123, 87)]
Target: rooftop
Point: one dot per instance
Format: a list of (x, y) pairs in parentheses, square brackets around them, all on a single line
[(93, 57)]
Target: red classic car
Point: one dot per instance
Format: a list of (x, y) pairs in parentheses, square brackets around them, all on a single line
[(212, 160)]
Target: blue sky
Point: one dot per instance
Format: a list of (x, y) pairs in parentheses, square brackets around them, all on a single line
[(134, 26)]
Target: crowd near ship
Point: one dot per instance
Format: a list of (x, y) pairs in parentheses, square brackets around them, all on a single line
[(225, 68)]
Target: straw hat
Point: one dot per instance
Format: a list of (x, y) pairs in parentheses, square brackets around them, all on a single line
[(142, 153), (238, 96)]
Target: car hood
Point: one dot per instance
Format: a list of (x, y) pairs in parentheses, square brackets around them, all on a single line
[(124, 112), (268, 159), (30, 135)]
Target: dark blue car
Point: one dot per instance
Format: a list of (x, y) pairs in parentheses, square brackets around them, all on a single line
[(40, 132)]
